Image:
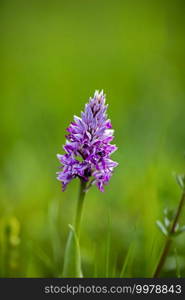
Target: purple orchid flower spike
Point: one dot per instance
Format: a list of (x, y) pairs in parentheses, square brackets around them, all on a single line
[(88, 147)]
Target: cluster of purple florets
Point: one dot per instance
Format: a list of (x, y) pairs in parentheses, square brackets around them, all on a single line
[(88, 147)]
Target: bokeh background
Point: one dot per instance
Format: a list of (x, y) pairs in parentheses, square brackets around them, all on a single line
[(54, 54)]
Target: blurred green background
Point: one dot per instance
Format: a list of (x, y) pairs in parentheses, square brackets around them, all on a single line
[(54, 54)]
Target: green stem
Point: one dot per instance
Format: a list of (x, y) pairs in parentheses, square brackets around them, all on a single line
[(80, 205), (165, 251)]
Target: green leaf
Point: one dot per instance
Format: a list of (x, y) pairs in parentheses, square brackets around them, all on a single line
[(169, 213), (162, 227), (72, 258), (167, 222), (179, 230), (181, 181)]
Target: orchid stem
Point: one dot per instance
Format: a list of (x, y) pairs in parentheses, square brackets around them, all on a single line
[(169, 239), (80, 205)]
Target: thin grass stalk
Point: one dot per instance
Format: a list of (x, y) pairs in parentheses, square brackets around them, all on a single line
[(168, 242)]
